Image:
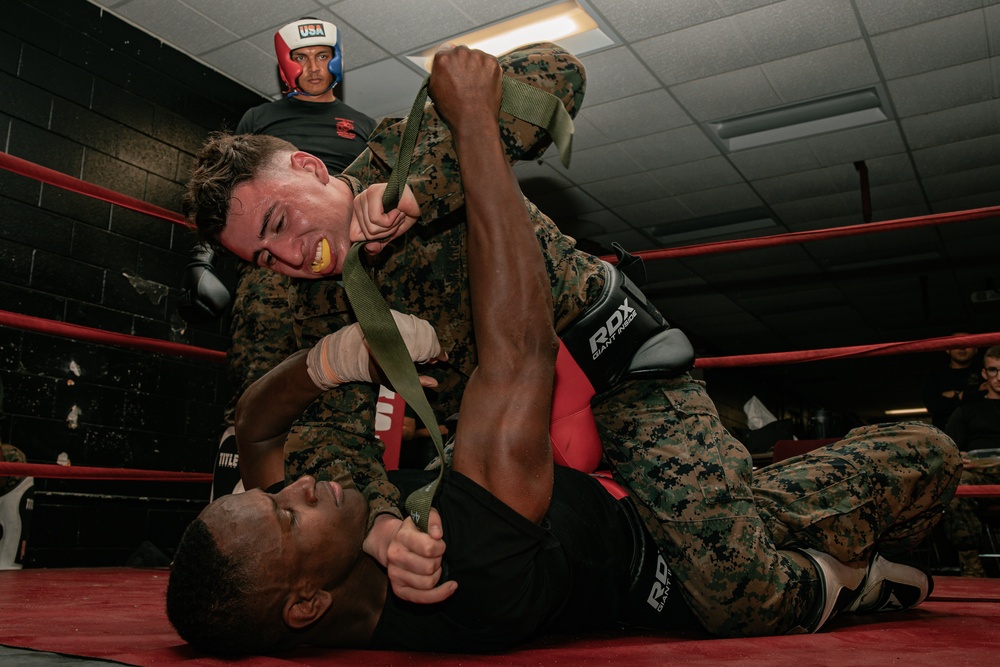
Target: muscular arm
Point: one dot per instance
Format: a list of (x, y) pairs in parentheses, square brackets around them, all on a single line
[(502, 441), (264, 415)]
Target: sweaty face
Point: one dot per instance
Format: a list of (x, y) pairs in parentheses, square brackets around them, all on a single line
[(315, 79), (310, 530), (292, 218)]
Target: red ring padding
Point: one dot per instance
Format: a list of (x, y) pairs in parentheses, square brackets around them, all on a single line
[(51, 471)]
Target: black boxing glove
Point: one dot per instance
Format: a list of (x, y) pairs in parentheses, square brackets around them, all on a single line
[(203, 297)]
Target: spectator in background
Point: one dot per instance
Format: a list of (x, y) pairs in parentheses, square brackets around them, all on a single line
[(975, 426), (950, 386)]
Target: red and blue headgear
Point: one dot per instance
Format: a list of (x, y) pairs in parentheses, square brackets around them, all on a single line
[(306, 32)]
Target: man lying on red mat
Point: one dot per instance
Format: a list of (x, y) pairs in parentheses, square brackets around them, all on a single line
[(531, 548)]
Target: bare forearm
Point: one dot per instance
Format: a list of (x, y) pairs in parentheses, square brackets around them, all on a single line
[(515, 293), (264, 415)]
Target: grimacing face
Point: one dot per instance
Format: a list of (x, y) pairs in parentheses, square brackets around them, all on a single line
[(292, 217)]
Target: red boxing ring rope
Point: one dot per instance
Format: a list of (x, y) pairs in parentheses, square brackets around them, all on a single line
[(879, 350), (817, 235), (52, 471), (66, 182), (40, 325)]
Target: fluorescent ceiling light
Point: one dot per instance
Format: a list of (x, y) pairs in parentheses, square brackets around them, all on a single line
[(804, 119), (565, 23), (907, 411)]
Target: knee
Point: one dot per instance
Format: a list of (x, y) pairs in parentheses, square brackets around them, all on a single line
[(941, 458)]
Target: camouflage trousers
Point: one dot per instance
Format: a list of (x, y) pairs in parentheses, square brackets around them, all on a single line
[(10, 454), (961, 518), (727, 530)]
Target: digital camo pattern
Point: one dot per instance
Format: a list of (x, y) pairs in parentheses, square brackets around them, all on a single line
[(727, 530)]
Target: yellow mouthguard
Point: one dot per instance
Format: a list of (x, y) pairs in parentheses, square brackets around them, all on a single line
[(324, 258)]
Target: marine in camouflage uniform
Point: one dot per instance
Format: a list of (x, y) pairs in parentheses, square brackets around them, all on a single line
[(690, 478)]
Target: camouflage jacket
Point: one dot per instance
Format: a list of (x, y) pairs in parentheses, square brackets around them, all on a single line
[(423, 273)]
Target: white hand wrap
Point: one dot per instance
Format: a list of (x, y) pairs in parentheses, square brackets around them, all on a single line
[(343, 355)]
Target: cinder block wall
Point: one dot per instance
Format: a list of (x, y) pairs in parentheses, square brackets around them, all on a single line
[(88, 95)]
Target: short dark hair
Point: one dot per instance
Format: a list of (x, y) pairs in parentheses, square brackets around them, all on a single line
[(225, 161), (993, 352), (212, 599)]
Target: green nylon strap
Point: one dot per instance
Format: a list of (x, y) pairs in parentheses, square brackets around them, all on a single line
[(390, 350), (519, 99)]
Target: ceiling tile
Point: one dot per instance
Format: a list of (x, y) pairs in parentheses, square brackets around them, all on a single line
[(859, 143), (384, 88), (696, 52), (644, 214), (597, 164), (615, 73), (704, 174), (258, 67), (970, 121), (402, 27), (818, 73), (993, 28), (177, 24), (929, 46), (724, 95), (787, 158), (965, 183), (804, 25), (685, 144), (638, 19), (959, 156), (793, 212), (720, 200), (881, 16), (813, 183), (612, 192), (943, 88), (490, 11), (233, 14), (641, 114)]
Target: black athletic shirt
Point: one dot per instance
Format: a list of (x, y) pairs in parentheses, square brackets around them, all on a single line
[(516, 579), (332, 131)]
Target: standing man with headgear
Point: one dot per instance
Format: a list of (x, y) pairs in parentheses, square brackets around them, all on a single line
[(309, 116)]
